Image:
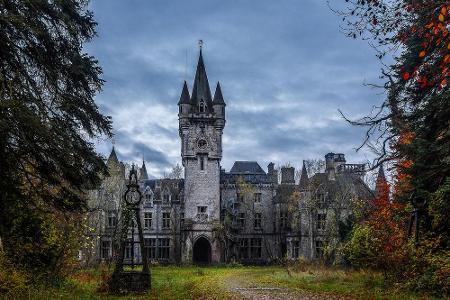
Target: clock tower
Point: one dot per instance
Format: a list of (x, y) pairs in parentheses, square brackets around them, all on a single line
[(201, 124)]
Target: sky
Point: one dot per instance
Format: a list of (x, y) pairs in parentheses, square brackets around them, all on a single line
[(284, 66)]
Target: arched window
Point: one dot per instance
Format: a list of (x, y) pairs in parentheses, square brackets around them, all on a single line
[(202, 106)]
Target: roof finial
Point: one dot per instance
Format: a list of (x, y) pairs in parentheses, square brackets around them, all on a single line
[(200, 44)]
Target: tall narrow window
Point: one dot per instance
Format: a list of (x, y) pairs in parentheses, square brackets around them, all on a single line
[(321, 221), (163, 248), (147, 220), (150, 248), (319, 248), (202, 163), (257, 221), (243, 248), (128, 250), (166, 220), (202, 106), (241, 220), (257, 197), (256, 249), (112, 219), (283, 220), (295, 249), (106, 249)]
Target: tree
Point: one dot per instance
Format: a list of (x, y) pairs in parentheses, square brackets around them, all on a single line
[(48, 117)]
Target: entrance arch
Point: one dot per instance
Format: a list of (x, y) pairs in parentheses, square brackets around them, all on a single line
[(202, 251)]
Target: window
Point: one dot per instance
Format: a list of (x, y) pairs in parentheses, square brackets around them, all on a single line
[(202, 106), (166, 197), (241, 220), (243, 248), (106, 249), (321, 221), (319, 248), (283, 220), (112, 220), (166, 220), (201, 161), (255, 247), (257, 197), (240, 197), (147, 220), (128, 250), (163, 248), (148, 197), (295, 249), (150, 248), (321, 202), (257, 221)]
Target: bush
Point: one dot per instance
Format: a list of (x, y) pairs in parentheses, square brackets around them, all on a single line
[(363, 248), (12, 280)]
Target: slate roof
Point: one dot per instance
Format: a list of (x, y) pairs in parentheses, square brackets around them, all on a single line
[(201, 89), (247, 167), (218, 97), (184, 98)]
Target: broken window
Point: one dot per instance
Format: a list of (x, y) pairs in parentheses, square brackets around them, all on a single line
[(243, 248), (166, 220), (255, 247), (150, 248), (321, 221), (163, 248), (257, 221), (147, 220), (257, 197)]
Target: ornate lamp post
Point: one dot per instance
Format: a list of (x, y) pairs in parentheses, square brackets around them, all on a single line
[(123, 280)]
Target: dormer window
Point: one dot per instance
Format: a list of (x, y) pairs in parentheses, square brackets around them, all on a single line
[(202, 106)]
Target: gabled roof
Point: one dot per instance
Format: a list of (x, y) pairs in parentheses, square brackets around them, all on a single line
[(184, 98), (201, 89), (218, 97), (246, 167)]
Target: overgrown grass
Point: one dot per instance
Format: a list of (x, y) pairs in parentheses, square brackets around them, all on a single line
[(191, 282)]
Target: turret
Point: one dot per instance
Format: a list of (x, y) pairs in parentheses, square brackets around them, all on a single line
[(201, 99), (219, 103), (184, 104), (143, 172), (381, 183)]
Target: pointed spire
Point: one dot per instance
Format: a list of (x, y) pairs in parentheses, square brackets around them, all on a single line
[(381, 182), (112, 157), (184, 98), (143, 173), (201, 88), (218, 98), (304, 180)]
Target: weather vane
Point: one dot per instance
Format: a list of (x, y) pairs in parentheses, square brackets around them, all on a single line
[(200, 43)]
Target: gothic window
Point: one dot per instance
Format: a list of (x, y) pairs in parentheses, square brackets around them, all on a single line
[(255, 248), (163, 248), (128, 250), (257, 221), (147, 220), (241, 220), (319, 248), (321, 200), (257, 197), (321, 221), (202, 106), (150, 248), (106, 249), (166, 220), (112, 219), (202, 163), (295, 249), (243, 248)]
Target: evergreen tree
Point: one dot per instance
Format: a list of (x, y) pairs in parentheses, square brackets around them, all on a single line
[(48, 120)]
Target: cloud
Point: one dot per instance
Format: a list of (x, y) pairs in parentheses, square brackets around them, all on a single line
[(285, 70)]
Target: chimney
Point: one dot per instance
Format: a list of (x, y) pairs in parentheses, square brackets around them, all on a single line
[(287, 175), (332, 162), (273, 174)]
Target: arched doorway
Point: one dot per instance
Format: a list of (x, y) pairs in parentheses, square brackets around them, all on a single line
[(202, 251)]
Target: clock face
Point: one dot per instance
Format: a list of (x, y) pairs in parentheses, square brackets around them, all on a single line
[(201, 144)]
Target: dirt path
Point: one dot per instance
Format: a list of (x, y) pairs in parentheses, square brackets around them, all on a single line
[(245, 289)]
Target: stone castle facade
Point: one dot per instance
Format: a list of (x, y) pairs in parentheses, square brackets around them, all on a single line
[(247, 214)]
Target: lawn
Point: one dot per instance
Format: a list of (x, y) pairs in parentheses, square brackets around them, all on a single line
[(222, 282)]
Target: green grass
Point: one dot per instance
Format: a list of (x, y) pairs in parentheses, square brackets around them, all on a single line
[(190, 282)]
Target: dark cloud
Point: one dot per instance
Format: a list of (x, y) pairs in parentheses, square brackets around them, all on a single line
[(284, 66)]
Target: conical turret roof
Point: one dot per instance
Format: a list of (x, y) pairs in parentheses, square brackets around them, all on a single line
[(112, 157), (218, 98), (184, 98), (201, 89)]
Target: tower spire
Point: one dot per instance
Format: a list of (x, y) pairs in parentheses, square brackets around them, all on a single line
[(201, 91), (304, 180)]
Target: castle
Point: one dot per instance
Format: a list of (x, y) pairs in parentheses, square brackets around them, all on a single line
[(247, 214)]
